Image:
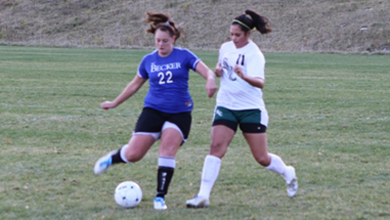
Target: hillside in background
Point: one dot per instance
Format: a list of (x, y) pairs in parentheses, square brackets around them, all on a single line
[(299, 25)]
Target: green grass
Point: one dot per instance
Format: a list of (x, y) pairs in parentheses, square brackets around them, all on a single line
[(329, 117)]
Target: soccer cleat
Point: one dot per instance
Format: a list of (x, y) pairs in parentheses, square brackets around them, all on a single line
[(104, 163), (292, 185), (198, 202), (159, 203)]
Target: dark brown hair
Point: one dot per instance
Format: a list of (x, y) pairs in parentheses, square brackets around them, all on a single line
[(255, 20), (163, 22)]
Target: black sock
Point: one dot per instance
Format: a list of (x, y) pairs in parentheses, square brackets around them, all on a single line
[(116, 158), (164, 177)]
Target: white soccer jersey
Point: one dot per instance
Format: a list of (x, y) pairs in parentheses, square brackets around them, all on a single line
[(235, 93)]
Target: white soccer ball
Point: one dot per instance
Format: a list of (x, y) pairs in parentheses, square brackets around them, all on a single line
[(128, 194)]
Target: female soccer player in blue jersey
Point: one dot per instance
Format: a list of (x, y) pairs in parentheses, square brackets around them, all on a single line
[(240, 103), (167, 107)]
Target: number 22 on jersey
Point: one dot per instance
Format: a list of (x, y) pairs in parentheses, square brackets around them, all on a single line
[(165, 78)]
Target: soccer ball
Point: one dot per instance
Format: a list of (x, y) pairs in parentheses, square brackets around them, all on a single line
[(128, 194)]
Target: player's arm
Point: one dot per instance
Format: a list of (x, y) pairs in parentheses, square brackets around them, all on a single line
[(254, 70), (206, 73), (130, 90), (218, 66), (253, 81), (218, 70)]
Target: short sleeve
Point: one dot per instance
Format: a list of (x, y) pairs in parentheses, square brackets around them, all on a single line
[(221, 53), (142, 70), (255, 66), (192, 60)]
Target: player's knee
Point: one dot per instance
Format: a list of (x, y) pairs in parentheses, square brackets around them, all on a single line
[(263, 160), (218, 150)]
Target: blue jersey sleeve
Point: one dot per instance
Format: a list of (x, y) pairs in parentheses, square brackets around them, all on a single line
[(142, 69), (192, 59)]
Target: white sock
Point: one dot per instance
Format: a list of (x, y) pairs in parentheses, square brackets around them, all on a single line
[(278, 166), (166, 162), (123, 153), (210, 173)]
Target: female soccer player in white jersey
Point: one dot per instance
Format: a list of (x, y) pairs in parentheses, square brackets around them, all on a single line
[(167, 106), (239, 102)]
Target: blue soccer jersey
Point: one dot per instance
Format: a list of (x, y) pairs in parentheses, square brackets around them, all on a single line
[(168, 80)]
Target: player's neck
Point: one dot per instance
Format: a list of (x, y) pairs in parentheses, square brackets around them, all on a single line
[(165, 53), (241, 44)]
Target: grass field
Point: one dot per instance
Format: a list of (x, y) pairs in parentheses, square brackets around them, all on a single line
[(329, 117)]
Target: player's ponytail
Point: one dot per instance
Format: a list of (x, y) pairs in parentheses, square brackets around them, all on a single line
[(160, 21), (261, 23), (254, 20)]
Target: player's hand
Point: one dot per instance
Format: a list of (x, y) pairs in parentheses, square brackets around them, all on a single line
[(238, 70), (107, 105), (211, 87), (218, 70)]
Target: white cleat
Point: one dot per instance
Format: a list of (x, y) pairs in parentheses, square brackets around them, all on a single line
[(104, 163), (159, 203), (198, 202), (292, 185)]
